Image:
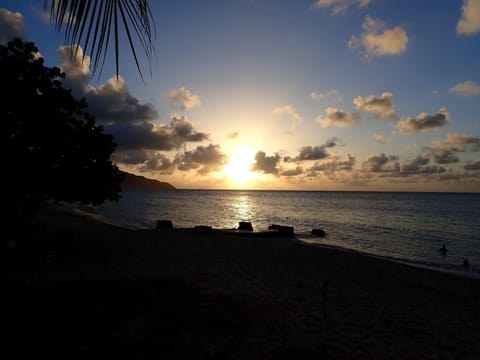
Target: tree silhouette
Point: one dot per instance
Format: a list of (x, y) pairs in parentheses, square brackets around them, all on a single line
[(51, 148)]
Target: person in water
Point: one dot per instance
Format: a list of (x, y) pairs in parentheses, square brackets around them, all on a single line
[(443, 249)]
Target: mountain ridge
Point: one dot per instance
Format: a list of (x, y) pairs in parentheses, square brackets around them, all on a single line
[(132, 181)]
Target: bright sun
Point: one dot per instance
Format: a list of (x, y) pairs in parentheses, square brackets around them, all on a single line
[(238, 167)]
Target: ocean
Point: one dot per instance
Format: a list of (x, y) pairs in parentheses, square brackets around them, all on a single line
[(409, 227)]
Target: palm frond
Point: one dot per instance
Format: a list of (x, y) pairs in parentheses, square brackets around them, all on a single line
[(92, 23)]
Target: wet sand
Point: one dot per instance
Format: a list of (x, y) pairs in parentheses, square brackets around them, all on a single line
[(78, 288)]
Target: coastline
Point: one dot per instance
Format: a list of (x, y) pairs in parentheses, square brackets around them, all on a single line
[(182, 294)]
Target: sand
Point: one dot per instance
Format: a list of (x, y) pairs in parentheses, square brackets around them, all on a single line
[(78, 288)]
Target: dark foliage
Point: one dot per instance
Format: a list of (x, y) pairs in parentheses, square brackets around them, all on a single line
[(51, 148)]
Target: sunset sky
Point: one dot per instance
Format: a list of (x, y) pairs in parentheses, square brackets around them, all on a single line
[(289, 94)]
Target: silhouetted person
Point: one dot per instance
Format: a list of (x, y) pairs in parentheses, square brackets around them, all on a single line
[(443, 250), (466, 264)]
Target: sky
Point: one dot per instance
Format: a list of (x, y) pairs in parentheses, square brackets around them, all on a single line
[(367, 95)]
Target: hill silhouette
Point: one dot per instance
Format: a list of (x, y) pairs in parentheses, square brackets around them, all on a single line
[(131, 181)]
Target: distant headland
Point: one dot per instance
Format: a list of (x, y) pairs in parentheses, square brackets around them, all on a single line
[(131, 181)]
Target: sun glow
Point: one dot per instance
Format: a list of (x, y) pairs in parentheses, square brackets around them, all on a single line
[(238, 167)]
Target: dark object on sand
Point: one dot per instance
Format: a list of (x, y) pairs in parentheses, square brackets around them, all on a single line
[(203, 229), (274, 227), (318, 232), (245, 225), (443, 249), (286, 230), (466, 264), (164, 224)]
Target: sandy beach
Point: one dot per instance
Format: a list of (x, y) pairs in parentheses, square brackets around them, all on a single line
[(76, 288)]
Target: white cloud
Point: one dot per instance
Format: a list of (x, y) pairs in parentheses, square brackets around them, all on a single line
[(292, 112), (184, 98), (330, 94), (469, 23), (379, 138), (377, 40), (338, 118), (380, 105), (467, 88), (423, 122), (12, 24), (340, 6)]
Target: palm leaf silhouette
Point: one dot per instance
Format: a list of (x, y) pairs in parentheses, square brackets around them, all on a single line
[(93, 23)]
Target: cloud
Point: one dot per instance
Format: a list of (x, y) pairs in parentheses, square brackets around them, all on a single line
[(379, 138), (461, 141), (292, 172), (233, 134), (415, 165), (12, 25), (132, 122), (333, 166), (340, 6), (377, 40), (472, 166), (378, 163), (76, 67), (338, 118), (204, 158), (423, 122), (380, 105), (266, 164), (295, 117), (444, 156), (330, 94), (445, 151), (158, 163), (112, 102), (467, 88), (184, 98), (316, 152), (469, 22), (148, 135)]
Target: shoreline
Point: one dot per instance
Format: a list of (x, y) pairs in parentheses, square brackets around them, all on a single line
[(95, 290), (455, 270)]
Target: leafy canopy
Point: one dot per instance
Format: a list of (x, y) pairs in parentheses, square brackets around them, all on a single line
[(51, 147)]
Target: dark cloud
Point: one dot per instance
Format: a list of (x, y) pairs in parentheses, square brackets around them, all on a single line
[(444, 156), (112, 102), (148, 135), (132, 122), (422, 122), (204, 158), (460, 142), (338, 118), (266, 164), (158, 163), (330, 167), (12, 25), (378, 163), (380, 105), (292, 172), (415, 165), (318, 152), (472, 166)]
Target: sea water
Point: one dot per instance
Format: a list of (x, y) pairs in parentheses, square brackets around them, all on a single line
[(408, 227)]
